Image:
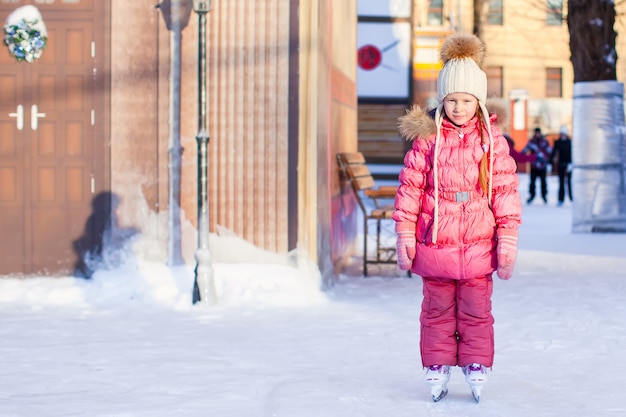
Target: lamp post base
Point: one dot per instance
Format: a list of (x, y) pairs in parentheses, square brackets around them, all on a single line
[(204, 286)]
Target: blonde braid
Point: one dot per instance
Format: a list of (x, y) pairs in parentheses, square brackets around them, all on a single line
[(483, 171)]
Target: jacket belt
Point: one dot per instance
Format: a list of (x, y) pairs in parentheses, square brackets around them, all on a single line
[(458, 196)]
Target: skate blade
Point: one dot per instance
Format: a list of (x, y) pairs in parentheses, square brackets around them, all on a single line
[(438, 395), (476, 397), (476, 393)]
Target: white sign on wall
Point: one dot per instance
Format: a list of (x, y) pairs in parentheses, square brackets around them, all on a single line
[(384, 59)]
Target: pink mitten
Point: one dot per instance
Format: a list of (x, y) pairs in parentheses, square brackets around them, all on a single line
[(405, 245), (507, 252)]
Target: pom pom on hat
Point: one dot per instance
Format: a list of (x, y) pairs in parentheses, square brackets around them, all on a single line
[(462, 55), (463, 45)]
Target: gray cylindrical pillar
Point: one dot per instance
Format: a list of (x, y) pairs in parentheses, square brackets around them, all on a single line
[(599, 157)]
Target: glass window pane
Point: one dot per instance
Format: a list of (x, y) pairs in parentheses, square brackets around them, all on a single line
[(494, 17), (554, 15), (554, 84), (435, 12)]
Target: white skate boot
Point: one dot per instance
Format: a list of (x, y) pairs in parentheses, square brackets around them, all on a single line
[(476, 377), (437, 376)]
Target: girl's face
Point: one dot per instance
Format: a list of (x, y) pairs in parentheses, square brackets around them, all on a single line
[(460, 107)]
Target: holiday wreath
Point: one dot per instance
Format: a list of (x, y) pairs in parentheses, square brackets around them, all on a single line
[(25, 34)]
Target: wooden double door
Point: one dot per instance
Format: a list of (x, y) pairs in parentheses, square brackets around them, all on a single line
[(53, 148)]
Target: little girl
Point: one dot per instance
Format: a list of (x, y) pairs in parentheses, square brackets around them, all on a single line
[(457, 212)]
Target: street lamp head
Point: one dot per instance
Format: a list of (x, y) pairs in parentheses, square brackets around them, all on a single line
[(202, 6)]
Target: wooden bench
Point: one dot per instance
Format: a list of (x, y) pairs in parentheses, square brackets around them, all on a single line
[(376, 204)]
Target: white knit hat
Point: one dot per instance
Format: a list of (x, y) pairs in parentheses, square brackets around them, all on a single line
[(462, 54)]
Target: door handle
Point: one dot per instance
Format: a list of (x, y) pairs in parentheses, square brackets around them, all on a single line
[(34, 117), (19, 117)]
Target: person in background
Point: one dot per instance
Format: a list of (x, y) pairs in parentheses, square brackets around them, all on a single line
[(538, 146), (457, 214), (562, 158)]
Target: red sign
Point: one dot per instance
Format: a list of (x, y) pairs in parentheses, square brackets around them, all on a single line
[(369, 57)]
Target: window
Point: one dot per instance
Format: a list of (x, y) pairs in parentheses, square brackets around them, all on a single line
[(435, 12), (494, 17), (554, 15), (554, 84), (383, 60), (494, 81)]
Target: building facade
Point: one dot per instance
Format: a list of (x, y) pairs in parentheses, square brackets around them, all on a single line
[(90, 131)]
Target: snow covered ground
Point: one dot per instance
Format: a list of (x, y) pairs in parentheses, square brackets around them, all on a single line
[(129, 343)]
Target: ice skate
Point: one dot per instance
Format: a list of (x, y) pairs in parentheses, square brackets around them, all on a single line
[(437, 376), (476, 377)]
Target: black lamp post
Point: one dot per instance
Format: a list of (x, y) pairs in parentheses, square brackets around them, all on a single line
[(204, 287)]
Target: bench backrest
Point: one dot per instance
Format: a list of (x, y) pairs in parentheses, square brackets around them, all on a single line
[(356, 171)]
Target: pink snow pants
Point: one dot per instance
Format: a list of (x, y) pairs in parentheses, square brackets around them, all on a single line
[(456, 321)]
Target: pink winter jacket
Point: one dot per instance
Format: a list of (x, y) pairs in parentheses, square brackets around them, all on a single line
[(465, 241)]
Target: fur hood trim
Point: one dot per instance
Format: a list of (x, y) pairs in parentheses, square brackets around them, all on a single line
[(500, 107), (418, 123)]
